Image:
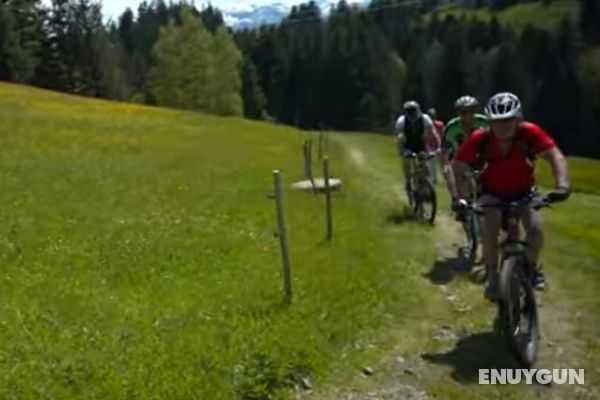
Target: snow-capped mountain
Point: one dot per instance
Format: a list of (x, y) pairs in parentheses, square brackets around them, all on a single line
[(255, 15), (242, 17)]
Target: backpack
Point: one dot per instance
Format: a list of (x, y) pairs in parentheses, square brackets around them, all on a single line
[(413, 130), (483, 152)]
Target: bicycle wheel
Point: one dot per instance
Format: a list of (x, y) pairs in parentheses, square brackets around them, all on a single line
[(427, 200), (410, 195), (518, 309), (471, 228)]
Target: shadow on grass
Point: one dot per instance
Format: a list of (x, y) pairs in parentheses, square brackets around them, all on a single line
[(486, 350), (401, 217), (444, 271)]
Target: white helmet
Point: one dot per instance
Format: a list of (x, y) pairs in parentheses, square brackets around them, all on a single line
[(503, 106), (413, 106), (466, 102)]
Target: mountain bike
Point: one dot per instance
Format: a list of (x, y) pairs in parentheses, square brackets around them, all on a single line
[(517, 317), (470, 220), (420, 191)]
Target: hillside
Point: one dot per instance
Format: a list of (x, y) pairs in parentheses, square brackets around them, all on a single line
[(138, 258), (537, 14), (138, 262)]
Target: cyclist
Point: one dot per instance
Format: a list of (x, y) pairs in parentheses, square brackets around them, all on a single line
[(434, 143), (460, 128), (505, 153), (413, 129)]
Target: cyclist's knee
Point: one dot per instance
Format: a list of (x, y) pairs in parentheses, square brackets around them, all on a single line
[(534, 226), (535, 231)]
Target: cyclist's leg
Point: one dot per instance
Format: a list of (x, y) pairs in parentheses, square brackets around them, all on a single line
[(464, 185), (490, 229), (432, 166), (407, 168), (533, 224)]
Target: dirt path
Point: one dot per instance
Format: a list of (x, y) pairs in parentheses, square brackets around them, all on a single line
[(459, 330)]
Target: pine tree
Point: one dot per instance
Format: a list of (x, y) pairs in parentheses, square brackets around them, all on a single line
[(589, 20), (125, 31), (20, 40), (507, 73), (252, 94), (451, 83), (559, 97)]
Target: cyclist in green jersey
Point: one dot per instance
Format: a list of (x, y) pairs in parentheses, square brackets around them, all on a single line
[(460, 128)]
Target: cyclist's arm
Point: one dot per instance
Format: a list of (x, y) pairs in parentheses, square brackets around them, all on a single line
[(456, 173), (546, 148), (429, 131), (399, 133), (558, 162)]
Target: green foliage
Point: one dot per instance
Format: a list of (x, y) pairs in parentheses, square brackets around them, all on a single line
[(20, 40), (351, 71), (589, 71), (252, 95), (209, 80)]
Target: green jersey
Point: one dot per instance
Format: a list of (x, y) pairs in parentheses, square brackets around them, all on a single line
[(454, 134)]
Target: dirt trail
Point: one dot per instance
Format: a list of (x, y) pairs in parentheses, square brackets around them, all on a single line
[(408, 376)]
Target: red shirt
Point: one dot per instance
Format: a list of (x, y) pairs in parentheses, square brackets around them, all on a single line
[(510, 175)]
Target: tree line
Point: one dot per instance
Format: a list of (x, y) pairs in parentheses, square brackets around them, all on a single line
[(354, 69), (171, 55), (350, 70)]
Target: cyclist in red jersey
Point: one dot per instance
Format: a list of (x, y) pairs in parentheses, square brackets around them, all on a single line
[(505, 153)]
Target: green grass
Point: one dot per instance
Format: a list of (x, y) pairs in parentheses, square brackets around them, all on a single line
[(584, 173), (137, 261), (547, 17)]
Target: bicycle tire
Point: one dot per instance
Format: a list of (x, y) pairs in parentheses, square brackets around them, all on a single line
[(516, 295), (427, 195), (472, 229)]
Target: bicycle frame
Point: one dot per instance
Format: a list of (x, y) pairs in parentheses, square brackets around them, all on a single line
[(420, 169), (512, 243)]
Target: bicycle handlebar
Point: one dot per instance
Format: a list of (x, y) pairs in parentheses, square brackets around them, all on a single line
[(535, 202), (422, 155)]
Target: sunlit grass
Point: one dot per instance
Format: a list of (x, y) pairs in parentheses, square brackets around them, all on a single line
[(540, 15), (138, 259)]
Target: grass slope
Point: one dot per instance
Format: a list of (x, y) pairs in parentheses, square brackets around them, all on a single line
[(138, 259), (537, 14)]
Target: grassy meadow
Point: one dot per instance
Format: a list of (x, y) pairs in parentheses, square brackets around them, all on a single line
[(138, 258), (137, 261)]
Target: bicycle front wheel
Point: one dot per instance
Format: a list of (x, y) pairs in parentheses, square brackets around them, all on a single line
[(471, 228), (427, 200), (518, 309)]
